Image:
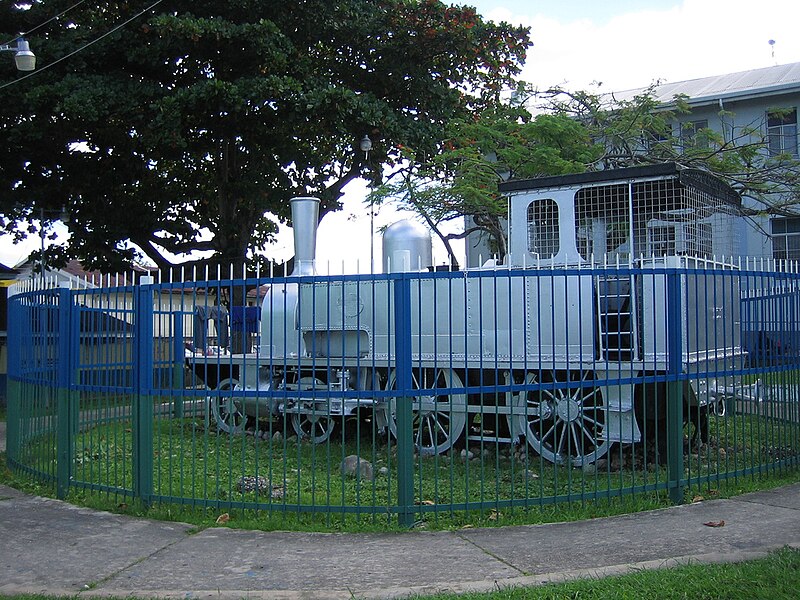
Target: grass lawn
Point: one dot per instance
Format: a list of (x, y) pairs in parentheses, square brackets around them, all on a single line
[(198, 473), (776, 577)]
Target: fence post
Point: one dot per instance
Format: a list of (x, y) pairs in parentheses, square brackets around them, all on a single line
[(675, 387), (178, 380), (143, 387), (65, 430), (404, 402), (13, 385)]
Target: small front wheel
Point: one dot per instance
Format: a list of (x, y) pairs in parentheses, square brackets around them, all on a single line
[(314, 427), (227, 411), (310, 421)]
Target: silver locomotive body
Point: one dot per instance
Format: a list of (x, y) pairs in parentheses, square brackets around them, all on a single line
[(578, 308)]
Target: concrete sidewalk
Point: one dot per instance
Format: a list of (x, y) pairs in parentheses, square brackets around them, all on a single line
[(48, 546)]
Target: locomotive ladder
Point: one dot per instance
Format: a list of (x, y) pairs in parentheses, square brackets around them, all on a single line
[(616, 312)]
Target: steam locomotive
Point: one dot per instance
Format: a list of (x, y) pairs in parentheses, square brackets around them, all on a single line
[(563, 344)]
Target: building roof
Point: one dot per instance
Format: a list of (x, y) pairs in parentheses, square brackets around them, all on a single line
[(767, 81), (75, 271)]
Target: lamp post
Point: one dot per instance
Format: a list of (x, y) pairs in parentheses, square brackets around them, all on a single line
[(365, 144), (23, 57), (63, 216)]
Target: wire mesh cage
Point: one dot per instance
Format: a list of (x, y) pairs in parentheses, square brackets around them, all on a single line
[(686, 213)]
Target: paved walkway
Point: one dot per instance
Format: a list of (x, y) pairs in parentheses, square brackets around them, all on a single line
[(48, 546)]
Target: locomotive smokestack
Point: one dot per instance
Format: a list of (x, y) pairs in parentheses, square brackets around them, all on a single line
[(305, 216)]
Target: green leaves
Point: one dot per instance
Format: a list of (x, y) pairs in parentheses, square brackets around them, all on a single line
[(223, 111), (479, 153)]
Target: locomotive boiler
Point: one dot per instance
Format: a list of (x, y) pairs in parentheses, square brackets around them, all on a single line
[(561, 344)]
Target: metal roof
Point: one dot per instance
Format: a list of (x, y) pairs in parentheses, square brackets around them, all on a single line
[(744, 84), (573, 179)]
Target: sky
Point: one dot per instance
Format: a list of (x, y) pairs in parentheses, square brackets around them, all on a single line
[(602, 45), (629, 44)]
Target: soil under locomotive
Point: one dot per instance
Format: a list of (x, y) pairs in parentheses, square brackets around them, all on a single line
[(562, 345)]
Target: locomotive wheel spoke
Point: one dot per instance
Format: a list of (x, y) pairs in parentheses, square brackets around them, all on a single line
[(586, 433), (550, 433), (591, 421), (560, 450), (439, 419), (564, 421), (309, 422), (225, 409)]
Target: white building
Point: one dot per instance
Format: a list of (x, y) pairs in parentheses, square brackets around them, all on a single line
[(763, 100)]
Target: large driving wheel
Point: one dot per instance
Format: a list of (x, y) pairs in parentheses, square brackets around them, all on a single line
[(564, 421), (309, 420), (438, 417), (227, 410)]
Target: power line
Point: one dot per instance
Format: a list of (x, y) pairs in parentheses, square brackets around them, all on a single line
[(40, 25), (82, 48)]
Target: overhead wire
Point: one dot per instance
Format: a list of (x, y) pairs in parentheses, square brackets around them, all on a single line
[(40, 25), (82, 48)]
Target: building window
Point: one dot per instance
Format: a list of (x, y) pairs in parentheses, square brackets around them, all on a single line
[(655, 138), (786, 238), (543, 236), (691, 136), (782, 132)]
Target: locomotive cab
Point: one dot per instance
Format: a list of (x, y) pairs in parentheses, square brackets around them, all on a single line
[(620, 216)]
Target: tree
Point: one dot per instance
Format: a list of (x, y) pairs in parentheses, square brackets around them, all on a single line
[(188, 129), (640, 131), (581, 131), (503, 142)]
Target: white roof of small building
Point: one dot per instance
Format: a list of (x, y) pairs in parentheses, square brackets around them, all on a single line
[(767, 81)]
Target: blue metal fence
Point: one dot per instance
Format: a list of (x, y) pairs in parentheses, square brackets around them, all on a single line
[(410, 395)]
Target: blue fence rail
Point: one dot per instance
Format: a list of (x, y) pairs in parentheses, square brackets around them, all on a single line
[(412, 395)]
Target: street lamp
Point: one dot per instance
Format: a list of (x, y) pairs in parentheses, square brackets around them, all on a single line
[(366, 145), (23, 57)]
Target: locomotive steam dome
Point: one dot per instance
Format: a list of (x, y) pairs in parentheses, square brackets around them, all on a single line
[(406, 247)]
